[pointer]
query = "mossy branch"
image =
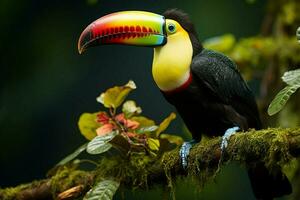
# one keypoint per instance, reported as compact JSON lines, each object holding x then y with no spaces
{"x":276,"y":147}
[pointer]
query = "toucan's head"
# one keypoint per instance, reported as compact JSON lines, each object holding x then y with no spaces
{"x":138,"y":28}
{"x":172,"y":35}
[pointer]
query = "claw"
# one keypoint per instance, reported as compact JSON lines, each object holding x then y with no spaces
{"x":228,"y":133}
{"x":185,"y":151}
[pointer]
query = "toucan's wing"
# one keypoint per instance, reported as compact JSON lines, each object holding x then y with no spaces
{"x":220,"y":75}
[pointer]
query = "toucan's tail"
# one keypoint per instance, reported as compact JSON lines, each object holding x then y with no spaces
{"x":267,"y":186}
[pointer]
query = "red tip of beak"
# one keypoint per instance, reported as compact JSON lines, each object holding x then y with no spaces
{"x":84,"y":39}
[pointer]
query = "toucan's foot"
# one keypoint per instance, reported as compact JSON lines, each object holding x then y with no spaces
{"x":184,"y":152}
{"x":228,"y":133}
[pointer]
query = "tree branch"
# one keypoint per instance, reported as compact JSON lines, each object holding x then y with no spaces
{"x":274,"y":147}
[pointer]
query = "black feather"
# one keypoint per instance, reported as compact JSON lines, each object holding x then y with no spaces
{"x":221,"y":76}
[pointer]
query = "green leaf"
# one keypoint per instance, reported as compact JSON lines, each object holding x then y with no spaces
{"x":100,"y":144}
{"x":172,"y":139}
{"x":292,"y":77}
{"x":281,"y":98}
{"x":103,"y":190}
{"x":73,"y":155}
{"x":143,"y":121}
{"x":164,"y":125}
{"x":114,"y":97}
{"x":87,"y":125}
{"x":130,"y":108}
{"x":147,"y":129}
{"x":153,"y":144}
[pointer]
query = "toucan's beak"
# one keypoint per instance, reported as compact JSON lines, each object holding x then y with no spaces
{"x":127,"y":27}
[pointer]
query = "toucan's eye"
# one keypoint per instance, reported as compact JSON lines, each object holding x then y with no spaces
{"x":171,"y":28}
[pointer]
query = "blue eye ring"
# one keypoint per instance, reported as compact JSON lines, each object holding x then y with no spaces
{"x":171,"y":28}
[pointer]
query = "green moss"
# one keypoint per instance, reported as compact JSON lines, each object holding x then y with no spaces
{"x":67,"y":177}
{"x":132,"y":172}
{"x":13,"y":192}
{"x":168,"y":161}
{"x":270,"y":146}
{"x":10,"y":193}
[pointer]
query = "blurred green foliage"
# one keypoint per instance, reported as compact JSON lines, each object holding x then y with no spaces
{"x":254,"y":53}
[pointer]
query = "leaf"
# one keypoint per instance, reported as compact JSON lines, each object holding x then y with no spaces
{"x":147,"y":129}
{"x":131,"y":124}
{"x":172,"y":138}
{"x":281,"y":98}
{"x":103,"y":190}
{"x":143,"y":121}
{"x":103,"y":118}
{"x":164,"y":124}
{"x":153,"y":144}
{"x":130,"y":108}
{"x":105,"y":129}
{"x":87,"y":125}
{"x":114,"y":97}
{"x":292,"y":77}
{"x":100,"y":144}
{"x":73,"y":155}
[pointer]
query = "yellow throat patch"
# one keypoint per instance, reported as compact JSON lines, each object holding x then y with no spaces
{"x":171,"y":62}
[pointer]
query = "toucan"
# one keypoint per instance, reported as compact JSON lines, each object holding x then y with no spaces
{"x":205,"y":86}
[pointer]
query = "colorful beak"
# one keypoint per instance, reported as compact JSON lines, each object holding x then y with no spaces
{"x":127,"y":27}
